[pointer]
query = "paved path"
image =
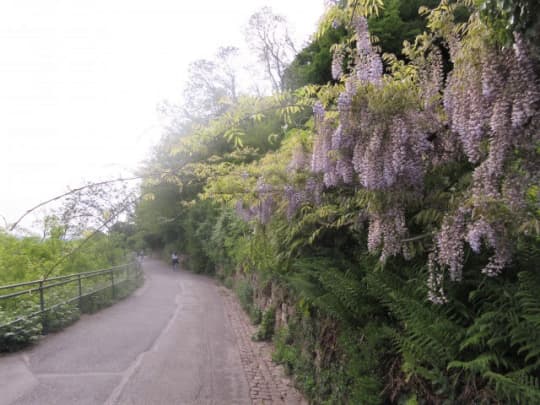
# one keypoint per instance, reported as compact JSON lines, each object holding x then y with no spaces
{"x":180,"y":339}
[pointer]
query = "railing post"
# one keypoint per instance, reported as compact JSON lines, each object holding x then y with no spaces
{"x":42,"y":307}
{"x":112,"y":284}
{"x":127,"y":273}
{"x":80,"y":291}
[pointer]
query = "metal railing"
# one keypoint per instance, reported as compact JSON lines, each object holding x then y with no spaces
{"x":43,"y":297}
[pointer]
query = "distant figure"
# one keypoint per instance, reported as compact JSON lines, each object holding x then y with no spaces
{"x":174,"y":258}
{"x":141,"y":255}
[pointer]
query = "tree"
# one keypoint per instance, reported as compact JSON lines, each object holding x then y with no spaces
{"x":268,"y":36}
{"x":508,"y":17}
{"x":211,"y":87}
{"x":399,"y":21}
{"x":312,"y":65}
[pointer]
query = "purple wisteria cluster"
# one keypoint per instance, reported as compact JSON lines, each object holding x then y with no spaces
{"x":299,"y":160}
{"x":369,"y":63}
{"x":387,"y":229}
{"x":491,"y":107}
{"x":376,"y":151}
{"x":435,"y":282}
{"x":333,"y":151}
{"x":486,"y":113}
{"x":262,"y":209}
{"x":312,"y":188}
{"x":494,"y":237}
{"x":245,"y":213}
{"x":431,"y":75}
{"x":449,"y":244}
{"x":296,"y":196}
{"x":491,"y":101}
{"x":393,"y":154}
{"x":337,"y":63}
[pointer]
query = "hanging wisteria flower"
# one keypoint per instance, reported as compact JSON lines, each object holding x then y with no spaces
{"x":244,"y":213}
{"x":319,"y":112}
{"x":477,"y":231}
{"x":314,"y":190}
{"x":369,"y":67}
{"x":337,"y":64}
{"x":450,"y":252}
{"x":494,"y":237}
{"x":265,"y":207}
{"x":485,"y":111}
{"x":330,"y":3}
{"x":387,"y":230}
{"x":436,"y":292}
{"x":294,"y":198}
{"x":432,"y":79}
{"x":299,"y":159}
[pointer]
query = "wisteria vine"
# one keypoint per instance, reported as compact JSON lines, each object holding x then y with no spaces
{"x":387,"y":137}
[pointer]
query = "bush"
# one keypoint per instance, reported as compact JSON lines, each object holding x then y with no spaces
{"x":228,"y":282}
{"x":21,"y":333}
{"x":245,"y":294}
{"x":284,"y":353}
{"x":266,"y":329}
{"x":61,"y":316}
{"x":28,"y":329}
{"x":255,"y":315}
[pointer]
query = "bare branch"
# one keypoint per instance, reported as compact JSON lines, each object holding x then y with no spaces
{"x":76,"y":190}
{"x":54,"y":266}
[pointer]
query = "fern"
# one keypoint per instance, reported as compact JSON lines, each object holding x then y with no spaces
{"x":515,"y":388}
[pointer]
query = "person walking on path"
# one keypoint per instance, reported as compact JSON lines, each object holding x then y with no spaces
{"x":174,"y":259}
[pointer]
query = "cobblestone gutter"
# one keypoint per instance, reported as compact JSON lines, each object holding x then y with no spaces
{"x":267,"y":381}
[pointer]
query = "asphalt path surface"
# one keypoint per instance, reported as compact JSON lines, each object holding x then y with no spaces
{"x":169,"y":343}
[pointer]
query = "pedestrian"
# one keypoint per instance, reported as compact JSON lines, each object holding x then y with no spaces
{"x":174,"y":259}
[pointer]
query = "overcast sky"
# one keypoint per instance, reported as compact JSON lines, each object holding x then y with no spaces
{"x":80,"y":81}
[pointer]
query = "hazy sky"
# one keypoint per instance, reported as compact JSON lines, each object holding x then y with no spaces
{"x":80,"y":81}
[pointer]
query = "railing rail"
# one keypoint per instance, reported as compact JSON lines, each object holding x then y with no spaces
{"x":9,"y":286}
{"x":69,"y":289}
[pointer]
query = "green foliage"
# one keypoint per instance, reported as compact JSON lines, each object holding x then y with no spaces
{"x":21,"y":319}
{"x":396,"y":22}
{"x":312,"y":65}
{"x":31,"y":258}
{"x":63,"y":314}
{"x":502,"y":346}
{"x":227,"y":281}
{"x":266,"y":328}
{"x":399,"y":21}
{"x":244,"y":290}
{"x":334,"y":366}
{"x":21,"y":333}
{"x":363,"y":331}
{"x":508,"y":16}
{"x":224,"y":246}
{"x":256,"y":315}
{"x":284,"y":353}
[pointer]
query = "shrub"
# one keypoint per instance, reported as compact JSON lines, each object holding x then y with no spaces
{"x":245,"y":294}
{"x":266,"y":328}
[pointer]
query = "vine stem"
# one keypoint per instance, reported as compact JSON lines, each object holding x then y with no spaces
{"x":418,"y":237}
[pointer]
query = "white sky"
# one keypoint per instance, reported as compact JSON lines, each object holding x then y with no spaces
{"x":80,"y":81}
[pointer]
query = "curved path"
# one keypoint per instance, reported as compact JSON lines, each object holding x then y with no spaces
{"x":171,"y":342}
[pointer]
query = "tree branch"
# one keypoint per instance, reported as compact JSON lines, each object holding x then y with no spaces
{"x":76,"y":190}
